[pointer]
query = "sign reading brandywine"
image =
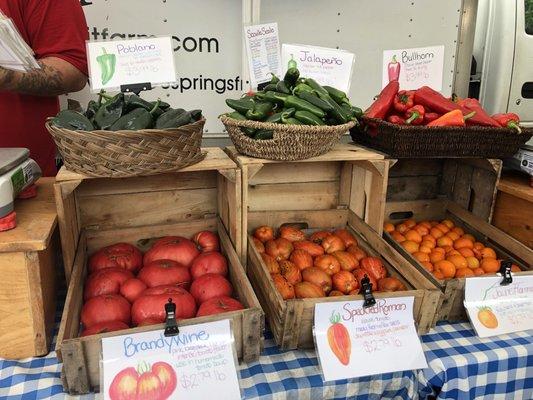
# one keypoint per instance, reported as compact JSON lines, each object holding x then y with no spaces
{"x":353,"y":341}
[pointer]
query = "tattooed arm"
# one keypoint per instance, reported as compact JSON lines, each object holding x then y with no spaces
{"x":55,"y":77}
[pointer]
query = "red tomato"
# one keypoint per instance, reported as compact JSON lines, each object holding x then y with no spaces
{"x":209,"y":263}
{"x":218,"y":305}
{"x":206,"y":241}
{"x":359,"y":274}
{"x":124,"y":385}
{"x":173,"y":248}
{"x":105,"y":308}
{"x":167,"y":377}
{"x":148,"y":322}
{"x":165,"y":272}
{"x":210,"y":285}
{"x":151,"y":304}
{"x":105,"y":281}
{"x":121,"y":255}
{"x":373,"y":266}
{"x":104,"y":327}
{"x":132,"y":289}
{"x":148,"y":387}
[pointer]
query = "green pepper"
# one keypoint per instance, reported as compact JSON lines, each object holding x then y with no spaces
{"x":107,"y":63}
{"x":162,"y":105}
{"x":264,"y":134}
{"x":302,"y":87}
{"x":275,"y":118}
{"x":196,"y":114}
{"x":166,"y":120}
{"x":338,"y":95}
{"x":281,"y":87}
{"x":110,"y":112}
{"x":275,"y":97}
{"x":353,"y":112}
{"x":292,"y":121}
{"x":270,"y":86}
{"x":73,"y":120}
{"x":260,"y":111}
{"x":286,"y":114}
{"x":92,"y":108}
{"x":133,"y":101}
{"x":316,"y":87}
{"x":136,"y":120}
{"x":291,"y":76}
{"x":308,"y":118}
{"x":239,"y":117}
{"x":299,"y":104}
{"x":241,"y":105}
{"x":338,"y":114}
{"x":274,"y":79}
{"x":316,"y":101}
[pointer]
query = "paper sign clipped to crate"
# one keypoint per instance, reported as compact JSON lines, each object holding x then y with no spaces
{"x":495,"y":309}
{"x":196,"y":364}
{"x":129,"y":62}
{"x":353,"y":341}
{"x":262,"y":49}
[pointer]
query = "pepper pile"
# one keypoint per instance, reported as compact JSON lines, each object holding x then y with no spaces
{"x":428,"y":107}
{"x":120,"y":112}
{"x":293,"y":101}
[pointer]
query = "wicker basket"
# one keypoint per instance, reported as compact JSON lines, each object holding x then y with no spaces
{"x":290,"y":142}
{"x":400,"y":141}
{"x":122,"y":154}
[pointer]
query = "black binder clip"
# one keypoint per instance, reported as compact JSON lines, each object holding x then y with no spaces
{"x":505,"y":271}
{"x":171,"y":325}
{"x":136,"y":88}
{"x":367,"y":292}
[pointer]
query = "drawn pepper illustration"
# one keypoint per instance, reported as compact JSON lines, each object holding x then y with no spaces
{"x":292,"y":63}
{"x":487,"y":318}
{"x":107,"y":64}
{"x":393,"y":69}
{"x":339,"y":339}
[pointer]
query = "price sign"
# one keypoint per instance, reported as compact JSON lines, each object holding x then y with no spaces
{"x":195,"y":364}
{"x":494,"y":309}
{"x":353,"y":341}
{"x":262,"y":48}
{"x":129,"y":62}
{"x":330,"y":67}
{"x":413,"y":68}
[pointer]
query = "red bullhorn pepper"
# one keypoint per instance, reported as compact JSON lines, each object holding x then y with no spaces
{"x":415,"y":115}
{"x":481,"y":117}
{"x":452,"y":118}
{"x":509,"y":120}
{"x":383,"y":104}
{"x":430,"y":116}
{"x":404,"y":100}
{"x":396,"y":119}
{"x":434,"y":101}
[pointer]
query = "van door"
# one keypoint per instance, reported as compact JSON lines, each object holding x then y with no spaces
{"x":521,"y":94}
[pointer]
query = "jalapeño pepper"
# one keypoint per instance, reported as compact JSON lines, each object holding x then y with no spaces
{"x":308,"y":118}
{"x":291,"y":76}
{"x":302,"y":105}
{"x":292,"y":121}
{"x":275,"y":97}
{"x":270,"y":86}
{"x":275,"y":118}
{"x":274,"y":79}
{"x":338,"y":95}
{"x":239,"y":117}
{"x":281,"y":87}
{"x":316,"y":101}
{"x":260,"y":111}
{"x":301,"y":88}
{"x":242,"y":105}
{"x":264,"y":134}
{"x":338,"y":114}
{"x":288,"y":113}
{"x":110,"y":112}
{"x":319,"y":89}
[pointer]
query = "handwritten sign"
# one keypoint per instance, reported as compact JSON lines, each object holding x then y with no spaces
{"x":127,"y":62}
{"x":262,"y":48}
{"x":413,"y":68}
{"x":353,"y":341}
{"x":494,"y":309}
{"x":330,"y":67}
{"x":195,"y":364}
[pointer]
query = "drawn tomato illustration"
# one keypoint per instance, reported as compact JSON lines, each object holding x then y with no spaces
{"x":487,"y":318}
{"x":144,"y":383}
{"x":339,"y":339}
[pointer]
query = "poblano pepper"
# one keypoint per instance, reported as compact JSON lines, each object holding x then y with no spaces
{"x":110,"y":112}
{"x":196,"y":115}
{"x":107,"y":63}
{"x":136,"y":120}
{"x":133,"y":101}
{"x":173,"y":119}
{"x":73,"y":120}
{"x":92,"y":109}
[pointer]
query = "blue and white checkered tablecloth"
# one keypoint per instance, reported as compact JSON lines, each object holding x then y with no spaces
{"x":461,"y":366}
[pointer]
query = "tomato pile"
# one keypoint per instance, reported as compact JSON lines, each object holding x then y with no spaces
{"x":126,"y":288}
{"x":326,"y":263}
{"x":444,"y":249}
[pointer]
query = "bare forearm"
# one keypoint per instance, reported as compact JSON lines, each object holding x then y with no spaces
{"x":55,"y":77}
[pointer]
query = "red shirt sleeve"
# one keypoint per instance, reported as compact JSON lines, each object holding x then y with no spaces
{"x":57,"y":28}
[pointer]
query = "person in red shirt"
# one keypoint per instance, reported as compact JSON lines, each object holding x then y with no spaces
{"x":56,"y":30}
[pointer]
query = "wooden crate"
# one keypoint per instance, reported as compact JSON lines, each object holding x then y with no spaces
{"x":452,"y":308}
{"x":28,"y":261}
{"x":209,"y":188}
{"x":291,"y":321}
{"x":81,"y":355}
{"x":347,"y":178}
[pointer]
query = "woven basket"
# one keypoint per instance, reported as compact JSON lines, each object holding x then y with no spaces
{"x":401,"y":141}
{"x":129,"y":153}
{"x":290,"y":142}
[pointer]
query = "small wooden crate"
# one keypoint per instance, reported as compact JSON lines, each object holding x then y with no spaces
{"x":292,"y":320}
{"x":452,"y":308}
{"x":347,"y":178}
{"x":28,"y":261}
{"x":94,"y":212}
